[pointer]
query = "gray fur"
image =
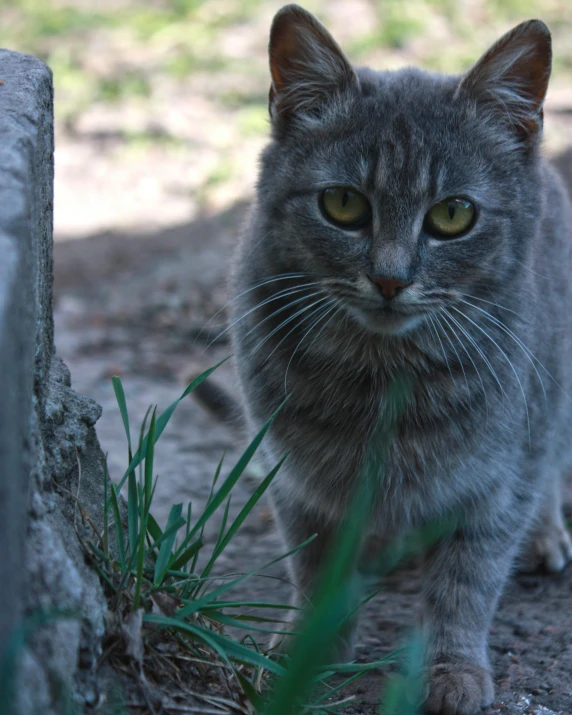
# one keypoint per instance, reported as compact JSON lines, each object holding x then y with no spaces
{"x":485,"y":434}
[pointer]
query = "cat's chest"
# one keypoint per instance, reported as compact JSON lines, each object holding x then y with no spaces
{"x":407,"y":433}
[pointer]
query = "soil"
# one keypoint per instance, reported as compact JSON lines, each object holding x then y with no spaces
{"x":137,"y":306}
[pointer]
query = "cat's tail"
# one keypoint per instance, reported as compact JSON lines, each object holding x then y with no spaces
{"x":217,"y":400}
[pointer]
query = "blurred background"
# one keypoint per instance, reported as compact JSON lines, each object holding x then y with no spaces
{"x":161,"y":104}
{"x":160,"y":110}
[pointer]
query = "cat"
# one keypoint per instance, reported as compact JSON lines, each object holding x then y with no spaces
{"x":405,"y":225}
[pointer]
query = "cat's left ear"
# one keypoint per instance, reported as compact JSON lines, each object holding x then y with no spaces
{"x":511,"y":79}
{"x":307,"y":66}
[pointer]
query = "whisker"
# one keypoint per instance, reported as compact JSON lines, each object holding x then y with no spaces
{"x":442,"y":347}
{"x":281,"y":294}
{"x":506,"y":358}
{"x":284,"y":323}
{"x":478,"y":349}
{"x":437,"y":318}
{"x":283,"y":308}
{"x":518,"y":341}
{"x":520,"y":263}
{"x":322,"y":328}
{"x":292,"y":329}
{"x":474,"y":297}
{"x":263,"y":282}
{"x":452,"y":328}
{"x":328,"y":309}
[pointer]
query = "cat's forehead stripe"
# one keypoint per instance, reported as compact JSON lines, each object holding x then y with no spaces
{"x":393,"y":160}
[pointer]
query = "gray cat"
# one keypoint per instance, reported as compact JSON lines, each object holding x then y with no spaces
{"x":406,"y":225}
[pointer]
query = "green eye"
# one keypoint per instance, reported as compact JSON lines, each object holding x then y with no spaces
{"x":450,"y":218}
{"x":346,"y":207}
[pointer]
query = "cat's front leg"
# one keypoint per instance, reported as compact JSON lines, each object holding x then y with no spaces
{"x":298,"y":523}
{"x":465,"y":575}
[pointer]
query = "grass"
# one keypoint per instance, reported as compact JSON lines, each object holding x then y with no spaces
{"x":165,"y":596}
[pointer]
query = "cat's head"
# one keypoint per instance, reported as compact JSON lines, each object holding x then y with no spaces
{"x":399,"y":191}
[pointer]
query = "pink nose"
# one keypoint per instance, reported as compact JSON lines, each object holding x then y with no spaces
{"x":389,"y":287}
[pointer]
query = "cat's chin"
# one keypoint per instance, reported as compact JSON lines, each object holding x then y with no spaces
{"x":386,"y":323}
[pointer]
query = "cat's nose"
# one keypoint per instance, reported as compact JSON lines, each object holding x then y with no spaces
{"x":388,"y":287}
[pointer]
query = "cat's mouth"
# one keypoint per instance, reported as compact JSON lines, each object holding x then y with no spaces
{"x":386,"y":319}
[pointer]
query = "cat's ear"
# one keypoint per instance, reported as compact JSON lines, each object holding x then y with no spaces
{"x":511,"y":79}
{"x":307,"y":66}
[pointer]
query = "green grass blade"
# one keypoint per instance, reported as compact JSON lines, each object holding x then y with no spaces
{"x":121,"y":401}
{"x":184,"y":557}
{"x":187,"y":531}
{"x":253,"y":696}
{"x":248,"y":618}
{"x":251,"y":604}
{"x":193,"y":566}
{"x":149,"y":457}
{"x":216,"y":476}
{"x":118,"y":528}
{"x":132,"y":514}
{"x":148,"y":506}
{"x":233,"y":477}
{"x":153,"y":528}
{"x":403,"y":693}
{"x":105,"y":508}
{"x":142,"y":430}
{"x":236,"y":623}
{"x":141,"y":547}
{"x":248,"y":638}
{"x":174,"y":523}
{"x":331,"y":692}
{"x":170,"y":531}
{"x":196,"y":632}
{"x":98,"y":552}
{"x":184,"y":544}
{"x":213,"y":595}
{"x":104,"y":577}
{"x":362,"y":603}
{"x":244,"y":512}
{"x":359,"y":667}
{"x":220,"y":535}
{"x":223,"y":522}
{"x":189,"y":516}
{"x":163,"y":420}
{"x":224,"y":645}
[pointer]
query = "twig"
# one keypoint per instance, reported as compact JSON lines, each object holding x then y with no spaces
{"x":201,"y":662}
{"x":337,"y":703}
{"x":84,"y":515}
{"x":78,"y":489}
{"x":140,"y":677}
{"x":181,"y":709}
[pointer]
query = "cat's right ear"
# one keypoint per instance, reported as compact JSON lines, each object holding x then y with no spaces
{"x":307,"y":66}
{"x":509,"y":82}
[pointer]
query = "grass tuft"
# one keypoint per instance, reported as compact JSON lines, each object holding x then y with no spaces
{"x":186,"y":613}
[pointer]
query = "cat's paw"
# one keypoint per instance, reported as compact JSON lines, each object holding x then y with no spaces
{"x":554,"y":546}
{"x":458,"y":689}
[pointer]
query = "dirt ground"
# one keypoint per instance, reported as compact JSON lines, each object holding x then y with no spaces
{"x":135,"y":306}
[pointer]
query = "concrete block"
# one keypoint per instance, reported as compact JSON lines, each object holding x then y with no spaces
{"x":46,"y":430}
{"x":26,"y":332}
